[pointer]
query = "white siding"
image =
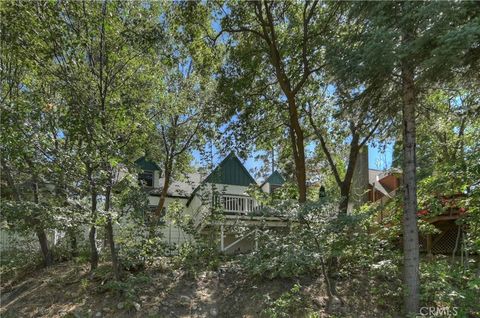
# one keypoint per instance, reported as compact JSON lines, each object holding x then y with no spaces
{"x":266,"y":187}
{"x":156,"y":179}
{"x":172,"y":233}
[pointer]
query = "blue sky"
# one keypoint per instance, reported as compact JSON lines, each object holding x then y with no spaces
{"x":379,"y":158}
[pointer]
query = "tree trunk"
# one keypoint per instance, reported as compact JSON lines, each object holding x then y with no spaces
{"x":46,"y":253}
{"x":345,"y":184}
{"x":92,"y":237}
{"x":345,"y":196}
{"x":297,"y":139}
{"x":163,"y":194}
{"x":110,"y":236}
{"x":71,"y":231}
{"x":73,"y":243}
{"x":359,"y":181}
{"x":410,"y":227}
{"x":328,"y":284}
{"x":333,"y":264}
{"x":41,"y":235}
{"x":93,"y":233}
{"x":113,"y":251}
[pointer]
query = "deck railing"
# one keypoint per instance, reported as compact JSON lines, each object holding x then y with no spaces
{"x":235,"y":203}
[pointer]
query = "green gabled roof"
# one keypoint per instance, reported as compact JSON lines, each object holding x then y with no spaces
{"x":145,"y":164}
{"x":275,"y":178}
{"x":230,"y":171}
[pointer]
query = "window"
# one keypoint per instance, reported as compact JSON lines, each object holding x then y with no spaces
{"x":146,"y":178}
{"x":274,"y":187}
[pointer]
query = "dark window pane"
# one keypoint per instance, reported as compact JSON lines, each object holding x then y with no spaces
{"x":273,"y":188}
{"x":146,"y":178}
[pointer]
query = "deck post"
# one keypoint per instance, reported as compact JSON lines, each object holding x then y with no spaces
{"x":222,"y":242}
{"x":429,"y":246}
{"x":256,"y":239}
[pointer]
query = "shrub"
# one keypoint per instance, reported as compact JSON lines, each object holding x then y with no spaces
{"x":16,"y":263}
{"x":447,"y":284}
{"x":128,"y":288}
{"x":281,"y":255}
{"x":139,"y":244}
{"x":195,"y":257}
{"x":291,"y":303}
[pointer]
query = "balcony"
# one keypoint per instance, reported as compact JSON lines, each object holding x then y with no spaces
{"x":236,"y":204}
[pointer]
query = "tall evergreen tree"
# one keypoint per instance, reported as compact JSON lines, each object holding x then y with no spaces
{"x":414,"y":38}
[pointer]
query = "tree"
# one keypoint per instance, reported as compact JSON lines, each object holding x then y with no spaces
{"x":448,"y":155}
{"x":414,"y":38}
{"x":118,"y":62}
{"x":353,"y":119}
{"x":179,"y":127}
{"x":347,"y":104}
{"x":98,"y":58}
{"x":182,"y":110}
{"x":274,"y":48}
{"x":23,"y":130}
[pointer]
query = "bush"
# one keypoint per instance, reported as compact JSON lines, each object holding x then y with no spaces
{"x":291,"y":303}
{"x":197,"y":257}
{"x":138,"y":244}
{"x":447,"y":284}
{"x":281,"y":255}
{"x":128,"y":288}
{"x":320,"y":236}
{"x":16,"y":263}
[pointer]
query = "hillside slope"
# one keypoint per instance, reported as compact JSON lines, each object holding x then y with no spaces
{"x":68,"y":290}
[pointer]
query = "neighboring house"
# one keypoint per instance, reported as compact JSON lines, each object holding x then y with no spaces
{"x":384,"y":186}
{"x":225,"y":190}
{"x":273,"y":182}
{"x":451,"y":234}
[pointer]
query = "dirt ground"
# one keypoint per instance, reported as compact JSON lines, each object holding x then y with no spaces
{"x":68,"y":290}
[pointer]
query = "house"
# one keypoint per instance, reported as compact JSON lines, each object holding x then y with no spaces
{"x":273,"y":182}
{"x":224,"y":191}
{"x":444,"y":215}
{"x":384,"y":185}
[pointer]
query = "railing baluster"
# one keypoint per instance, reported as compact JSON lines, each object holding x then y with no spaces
{"x":235,"y":204}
